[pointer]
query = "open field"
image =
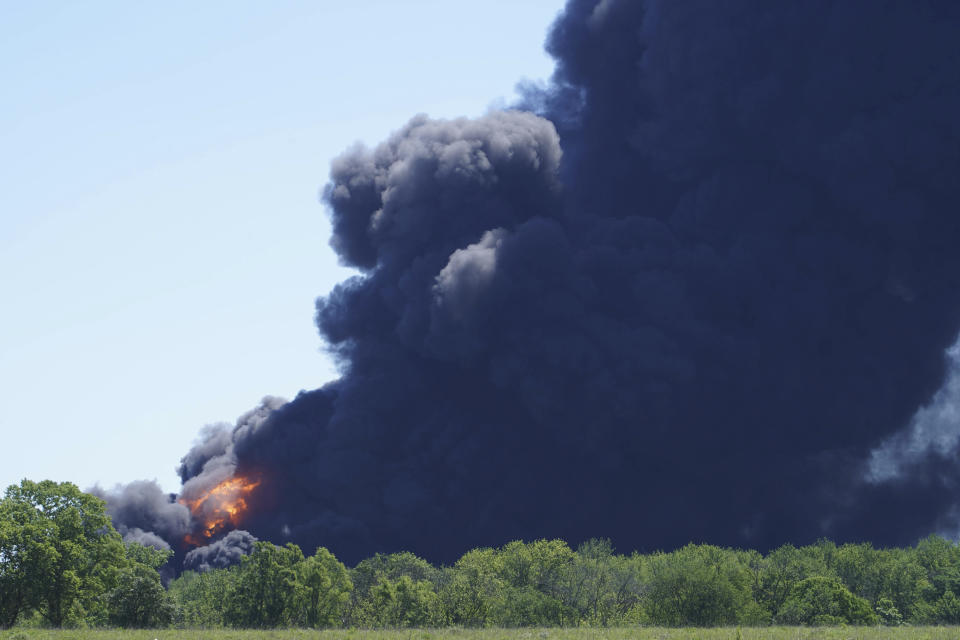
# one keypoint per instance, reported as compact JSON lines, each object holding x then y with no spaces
{"x":631,"y":633}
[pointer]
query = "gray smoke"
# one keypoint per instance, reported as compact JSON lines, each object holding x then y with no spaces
{"x":145,"y":538}
{"x":934,"y":432}
{"x":143,"y":513}
{"x":221,"y":554}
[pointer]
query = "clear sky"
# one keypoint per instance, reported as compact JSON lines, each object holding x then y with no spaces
{"x":162,"y":242}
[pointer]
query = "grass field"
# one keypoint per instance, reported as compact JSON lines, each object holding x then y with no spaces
{"x":633,"y":633}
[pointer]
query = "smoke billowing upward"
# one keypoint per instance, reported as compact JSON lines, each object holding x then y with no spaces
{"x":143,"y":513}
{"x":682,"y":293}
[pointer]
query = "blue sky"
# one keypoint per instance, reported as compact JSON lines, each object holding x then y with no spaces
{"x":162,"y":241}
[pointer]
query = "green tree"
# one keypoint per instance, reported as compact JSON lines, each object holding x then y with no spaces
{"x":265,"y":587}
{"x":888,"y":613}
{"x":940,"y":559}
{"x":699,"y":585}
{"x":631,"y":585}
{"x":201,"y":598}
{"x":822,"y":600}
{"x":894,"y":575}
{"x":591,"y":579}
{"x":139,"y":599}
{"x":391,"y":565}
{"x":780,"y":570}
{"x":400,"y":603}
{"x":946,"y":610}
{"x":72,"y":554}
{"x":325,"y":589}
{"x":471,"y":587}
{"x":26,"y":553}
{"x":526,"y":607}
{"x":534,"y":579}
{"x":905,"y":581}
{"x":367,"y":574}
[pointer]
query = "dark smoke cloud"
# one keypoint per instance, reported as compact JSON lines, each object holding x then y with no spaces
{"x":146,"y":538}
{"x":220,"y":554}
{"x":142,"y":512}
{"x":213,"y":442}
{"x":695,"y":292}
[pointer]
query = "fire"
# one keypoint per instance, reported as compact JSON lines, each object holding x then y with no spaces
{"x":219,"y":507}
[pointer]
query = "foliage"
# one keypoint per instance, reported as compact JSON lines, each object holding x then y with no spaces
{"x":25,"y":555}
{"x":62,"y":564}
{"x":399,"y":603}
{"x":325,"y":589}
{"x":821,"y":600}
{"x":61,"y":558}
{"x":265,"y":587}
{"x":781,"y":570}
{"x":471,"y":588}
{"x":698,"y":585}
{"x":575,"y":633}
{"x":888,"y":612}
{"x":200,"y":598}
{"x":139,"y":599}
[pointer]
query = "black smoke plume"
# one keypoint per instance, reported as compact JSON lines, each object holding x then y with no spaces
{"x":682,"y":293}
{"x":225,"y":552}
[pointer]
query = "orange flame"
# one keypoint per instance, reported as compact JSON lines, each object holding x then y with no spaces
{"x":218,"y":507}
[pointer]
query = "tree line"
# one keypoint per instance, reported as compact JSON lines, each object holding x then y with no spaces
{"x":62,"y":564}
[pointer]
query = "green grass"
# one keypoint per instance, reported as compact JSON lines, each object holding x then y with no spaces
{"x":630,"y":633}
